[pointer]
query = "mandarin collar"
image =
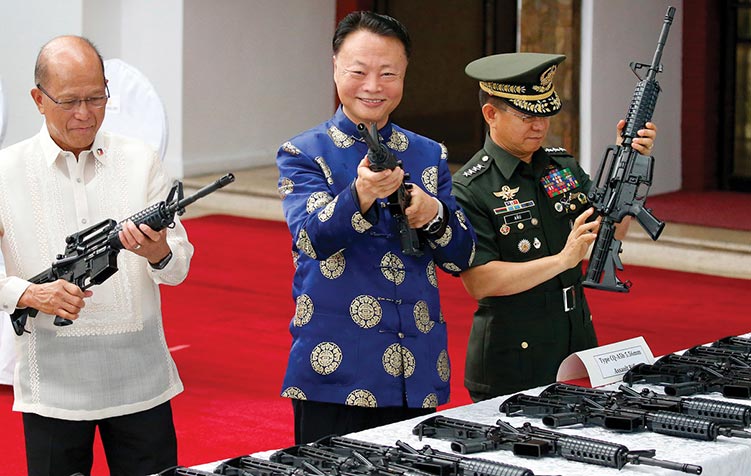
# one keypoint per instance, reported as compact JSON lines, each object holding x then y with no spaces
{"x":51,"y":151}
{"x":508,"y":163}
{"x":344,"y":124}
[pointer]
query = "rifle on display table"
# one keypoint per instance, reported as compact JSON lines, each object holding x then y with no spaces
{"x":381,"y":158}
{"x":91,"y":255}
{"x":683,"y":375}
{"x":530,"y":441}
{"x":624,"y":178}
{"x":345,"y":456}
{"x":562,"y":412}
{"x":726,"y":413}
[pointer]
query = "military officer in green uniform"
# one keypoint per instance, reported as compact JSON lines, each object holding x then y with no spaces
{"x":534,"y":225}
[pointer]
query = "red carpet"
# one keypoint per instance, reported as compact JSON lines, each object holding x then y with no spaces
{"x":715,"y":209}
{"x":227,"y":326}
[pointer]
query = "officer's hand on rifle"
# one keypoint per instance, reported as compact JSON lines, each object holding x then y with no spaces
{"x":144,"y":241}
{"x":422,"y":207}
{"x":646,"y":140}
{"x":372,"y":185}
{"x":582,"y":235}
{"x":58,"y":298}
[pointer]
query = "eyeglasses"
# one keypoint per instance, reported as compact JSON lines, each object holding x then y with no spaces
{"x":97,"y":102}
{"x":525,"y":118}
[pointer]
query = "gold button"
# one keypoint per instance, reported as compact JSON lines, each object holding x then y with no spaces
{"x":524,"y":345}
{"x":401,"y":336}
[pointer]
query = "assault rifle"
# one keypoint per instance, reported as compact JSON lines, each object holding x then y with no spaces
{"x":558,"y":412}
{"x":381,"y":158}
{"x":624,"y":178}
{"x":91,"y":255}
{"x":251,"y":466}
{"x":726,"y":413}
{"x":530,"y":441}
{"x":346,"y":456}
{"x":683,"y":377}
{"x":721,"y":353}
{"x":732,"y":342}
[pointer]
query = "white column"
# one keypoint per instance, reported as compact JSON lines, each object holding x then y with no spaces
{"x":615,"y":33}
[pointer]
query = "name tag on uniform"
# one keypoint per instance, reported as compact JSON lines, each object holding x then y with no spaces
{"x":512,"y":218}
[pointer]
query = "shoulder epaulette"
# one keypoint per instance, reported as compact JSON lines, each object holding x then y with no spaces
{"x":557,"y":152}
{"x":479,"y":166}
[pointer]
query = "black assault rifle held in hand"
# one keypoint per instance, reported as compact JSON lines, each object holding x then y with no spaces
{"x":381,"y":158}
{"x":530,"y":441}
{"x":91,"y":255}
{"x":624,"y":178}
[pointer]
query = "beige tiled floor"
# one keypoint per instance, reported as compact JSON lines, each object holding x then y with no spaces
{"x":680,"y":247}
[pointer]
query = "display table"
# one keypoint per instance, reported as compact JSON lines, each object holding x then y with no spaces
{"x":724,"y":457}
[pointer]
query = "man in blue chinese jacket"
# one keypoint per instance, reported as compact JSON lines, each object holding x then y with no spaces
{"x":369,"y":342}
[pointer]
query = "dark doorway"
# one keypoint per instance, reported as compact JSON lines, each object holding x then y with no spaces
{"x":440,"y":101}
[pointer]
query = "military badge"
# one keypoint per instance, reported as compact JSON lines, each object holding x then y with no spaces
{"x":558,"y":181}
{"x":505,"y":230}
{"x":524,"y":246}
{"x":506,"y":192}
{"x":536,"y":243}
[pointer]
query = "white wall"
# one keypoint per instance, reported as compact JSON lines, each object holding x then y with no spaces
{"x":615,"y":33}
{"x":26,"y":26}
{"x":237,"y":78}
{"x":256,"y":73}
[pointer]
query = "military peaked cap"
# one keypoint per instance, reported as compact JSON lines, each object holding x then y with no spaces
{"x":522,"y":80}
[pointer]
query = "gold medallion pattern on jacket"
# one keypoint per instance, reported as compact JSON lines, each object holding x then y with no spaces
{"x":430,"y":401}
{"x":422,"y":317}
{"x":444,"y":152}
{"x":445,"y":239}
{"x":303,"y":310}
{"x":444,"y":371}
{"x":392,"y":268}
{"x":294,"y":392}
{"x":290,"y":148}
{"x":398,"y":142}
{"x":430,"y":179}
{"x":328,"y":210}
{"x":326,"y":358}
{"x":430,"y":272}
{"x":334,"y":265}
{"x":361,"y":398}
{"x":325,"y":169}
{"x":359,"y":223}
{"x":305,"y":245}
{"x":317,"y":200}
{"x":365,"y":311}
{"x":398,"y":360}
{"x":286,"y":186}
{"x":339,"y":138}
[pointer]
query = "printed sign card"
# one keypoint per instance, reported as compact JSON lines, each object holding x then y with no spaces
{"x":605,"y":364}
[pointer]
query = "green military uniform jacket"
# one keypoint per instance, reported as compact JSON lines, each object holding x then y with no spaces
{"x":522,"y":212}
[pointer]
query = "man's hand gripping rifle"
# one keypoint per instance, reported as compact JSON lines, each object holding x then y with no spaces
{"x":91,"y":255}
{"x":624,"y":178}
{"x":381,"y":158}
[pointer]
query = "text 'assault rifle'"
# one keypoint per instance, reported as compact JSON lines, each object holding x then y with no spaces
{"x":91,"y":255}
{"x":562,"y":412}
{"x":381,"y":158}
{"x":624,"y":178}
{"x":531,"y":441}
